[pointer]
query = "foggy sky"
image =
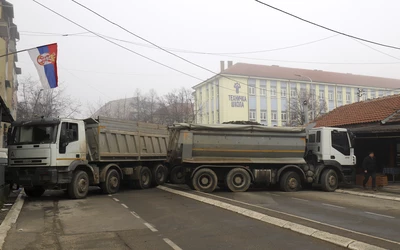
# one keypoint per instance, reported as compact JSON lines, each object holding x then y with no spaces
{"x":92,"y":69}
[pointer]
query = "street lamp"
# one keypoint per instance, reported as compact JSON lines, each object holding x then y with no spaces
{"x":309,"y":78}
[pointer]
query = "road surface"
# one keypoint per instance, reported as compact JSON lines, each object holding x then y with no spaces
{"x":158,"y":219}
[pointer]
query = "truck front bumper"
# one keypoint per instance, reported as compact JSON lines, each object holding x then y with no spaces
{"x":49,"y":176}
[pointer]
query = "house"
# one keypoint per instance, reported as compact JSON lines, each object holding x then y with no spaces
{"x":376,"y":125}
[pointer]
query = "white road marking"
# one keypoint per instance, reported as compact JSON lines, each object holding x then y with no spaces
{"x":387,"y":216}
{"x":153,"y":229}
{"x":274,"y":194}
{"x":109,"y":195}
{"x":135,"y":214}
{"x":172,"y":244}
{"x":294,"y":216}
{"x":299,"y":199}
{"x":115,"y":199}
{"x":125,"y":206}
{"x":330,"y":205}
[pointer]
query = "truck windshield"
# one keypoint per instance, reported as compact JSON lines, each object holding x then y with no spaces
{"x":35,"y":134}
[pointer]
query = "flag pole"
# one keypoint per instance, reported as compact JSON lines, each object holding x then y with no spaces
{"x":12,"y":53}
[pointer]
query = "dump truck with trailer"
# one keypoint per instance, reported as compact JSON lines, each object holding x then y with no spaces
{"x":70,"y":154}
{"x":236,"y":156}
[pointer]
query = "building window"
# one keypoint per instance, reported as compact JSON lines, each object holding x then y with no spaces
{"x":273,"y":116}
{"x":263,"y":116}
{"x":348,"y":97}
{"x":293,"y":93}
{"x":252,"y":90}
{"x":283,"y":116}
{"x":283,"y":92}
{"x":252,"y":115}
{"x":321,"y":94}
{"x":313,"y":94}
{"x":273,"y":91}
{"x":339,"y":96}
{"x":330,"y":96}
{"x":263,"y":91}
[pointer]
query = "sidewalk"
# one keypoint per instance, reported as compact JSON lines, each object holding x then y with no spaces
{"x":390,"y":192}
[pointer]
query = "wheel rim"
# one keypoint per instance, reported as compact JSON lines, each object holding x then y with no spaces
{"x":205,"y":181}
{"x":238,"y":180}
{"x":293,"y":183}
{"x":114,"y":182}
{"x":82,"y":185}
{"x":332,"y":180}
{"x":160,"y":174}
{"x":145,"y":178}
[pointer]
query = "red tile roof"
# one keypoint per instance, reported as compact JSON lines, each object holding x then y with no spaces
{"x":375,"y":110}
{"x":265,"y":71}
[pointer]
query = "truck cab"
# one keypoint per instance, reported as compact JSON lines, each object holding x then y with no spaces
{"x":41,"y":151}
{"x":331,"y":146}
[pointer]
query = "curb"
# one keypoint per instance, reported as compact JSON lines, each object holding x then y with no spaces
{"x":11,"y":218}
{"x":384,"y":197}
{"x":305,"y":230}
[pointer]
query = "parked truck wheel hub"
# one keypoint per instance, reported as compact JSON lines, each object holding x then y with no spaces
{"x":205,"y":181}
{"x":82,"y":185}
{"x":332,"y":180}
{"x":238,"y":180}
{"x":114,"y":182}
{"x":293,"y":183}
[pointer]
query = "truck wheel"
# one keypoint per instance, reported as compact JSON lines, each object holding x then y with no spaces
{"x":159,"y":175}
{"x":177,"y":175}
{"x":205,"y":180}
{"x":238,"y":180}
{"x":329,"y":180}
{"x":112,"y":183}
{"x":144,"y":178}
{"x":79,"y":186}
{"x":290,"y":182}
{"x":34,"y":191}
{"x":189,"y":182}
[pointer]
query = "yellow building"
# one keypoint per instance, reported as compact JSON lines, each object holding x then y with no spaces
{"x":270,"y":94}
{"x":8,"y":70}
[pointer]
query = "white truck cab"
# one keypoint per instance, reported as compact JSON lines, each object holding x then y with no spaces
{"x":331,"y":146}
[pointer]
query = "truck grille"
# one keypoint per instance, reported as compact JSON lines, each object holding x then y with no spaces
{"x":29,"y":161}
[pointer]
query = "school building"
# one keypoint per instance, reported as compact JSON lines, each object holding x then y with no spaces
{"x":266,"y":94}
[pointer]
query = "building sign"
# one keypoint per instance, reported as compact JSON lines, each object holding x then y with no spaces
{"x":237,"y":101}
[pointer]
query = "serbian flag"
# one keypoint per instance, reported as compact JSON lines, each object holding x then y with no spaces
{"x":45,"y":60}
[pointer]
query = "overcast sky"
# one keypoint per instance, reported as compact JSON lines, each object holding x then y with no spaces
{"x":92,"y":69}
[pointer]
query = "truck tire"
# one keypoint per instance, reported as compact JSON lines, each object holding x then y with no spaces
{"x":205,"y":180}
{"x":329,"y":180}
{"x":145,"y":178}
{"x":238,"y":180}
{"x":290,"y":182}
{"x":79,"y":186}
{"x":112,"y":183}
{"x":34,"y":191}
{"x":177,"y":175}
{"x":159,"y":175}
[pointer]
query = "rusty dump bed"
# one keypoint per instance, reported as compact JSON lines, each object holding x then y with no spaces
{"x":120,"y":140}
{"x":228,"y":143}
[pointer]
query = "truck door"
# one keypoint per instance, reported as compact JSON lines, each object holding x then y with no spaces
{"x":68,"y":144}
{"x":340,"y":150}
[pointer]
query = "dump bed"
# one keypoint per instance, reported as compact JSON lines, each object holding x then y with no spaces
{"x":120,"y":140}
{"x":208,"y":144}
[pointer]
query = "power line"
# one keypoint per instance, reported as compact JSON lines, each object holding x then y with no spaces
{"x":384,"y":53}
{"x":324,"y":27}
{"x":119,"y":45}
{"x":231,"y":55}
{"x":31,"y":33}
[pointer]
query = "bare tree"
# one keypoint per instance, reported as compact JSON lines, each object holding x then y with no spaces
{"x":316,"y":107}
{"x":35,"y":101}
{"x":176,"y":106}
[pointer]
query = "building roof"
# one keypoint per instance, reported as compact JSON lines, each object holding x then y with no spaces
{"x":277,"y":72}
{"x":384,"y":110}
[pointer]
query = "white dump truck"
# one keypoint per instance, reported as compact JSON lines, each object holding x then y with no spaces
{"x":236,"y":156}
{"x":69,"y":154}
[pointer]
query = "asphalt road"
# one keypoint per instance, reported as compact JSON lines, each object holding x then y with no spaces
{"x":157,"y":219}
{"x":371,"y":220}
{"x":143,"y":219}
